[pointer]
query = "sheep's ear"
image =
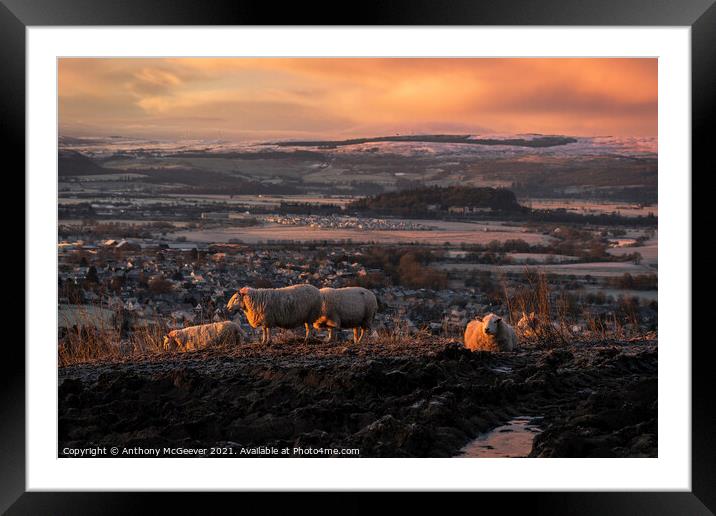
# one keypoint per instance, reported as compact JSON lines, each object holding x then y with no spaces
{"x":243,"y":291}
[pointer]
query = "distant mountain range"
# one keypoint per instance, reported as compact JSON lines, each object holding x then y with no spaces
{"x":530,"y":165}
{"x":537,"y":141}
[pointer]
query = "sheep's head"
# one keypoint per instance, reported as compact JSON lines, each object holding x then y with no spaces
{"x":490,"y":324}
{"x":237,"y":301}
{"x":321,"y":323}
{"x":528,"y":321}
{"x":169,"y":342}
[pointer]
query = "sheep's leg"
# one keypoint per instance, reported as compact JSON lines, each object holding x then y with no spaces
{"x":308,"y":332}
{"x":360,"y":335}
{"x":335,"y":326}
{"x":330,"y":334}
{"x":268,"y":336}
{"x":357,"y":335}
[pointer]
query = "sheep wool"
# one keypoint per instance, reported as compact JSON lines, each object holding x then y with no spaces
{"x":491,"y":333}
{"x":349,"y":307}
{"x":286,"y":307}
{"x":528,"y":324}
{"x":203,"y":336}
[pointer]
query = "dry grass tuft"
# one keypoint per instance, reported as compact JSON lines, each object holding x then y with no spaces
{"x":557,"y":321}
{"x":91,"y":338}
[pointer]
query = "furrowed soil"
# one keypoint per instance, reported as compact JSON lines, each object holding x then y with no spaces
{"x":414,"y":398}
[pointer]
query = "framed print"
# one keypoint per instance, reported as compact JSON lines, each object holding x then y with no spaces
{"x":416,"y":252}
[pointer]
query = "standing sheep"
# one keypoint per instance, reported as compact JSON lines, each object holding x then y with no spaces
{"x":286,"y":307}
{"x":490,"y":334}
{"x":349,"y":307}
{"x":203,"y":336}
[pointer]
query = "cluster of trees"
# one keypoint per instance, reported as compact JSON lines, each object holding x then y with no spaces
{"x":417,"y":200}
{"x":414,"y":274}
{"x":638,"y":282}
{"x":409,"y":268}
{"x":117,"y":230}
{"x":561,"y":215}
{"x":582,"y":244}
{"x":420,"y":200}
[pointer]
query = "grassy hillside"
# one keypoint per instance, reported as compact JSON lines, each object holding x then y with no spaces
{"x":73,"y":163}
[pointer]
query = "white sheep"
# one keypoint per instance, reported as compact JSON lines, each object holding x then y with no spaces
{"x":349,"y":307}
{"x":286,"y":307}
{"x":491,"y":333}
{"x":203,"y":336}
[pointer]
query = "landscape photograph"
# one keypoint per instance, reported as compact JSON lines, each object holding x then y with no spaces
{"x":357,"y":257}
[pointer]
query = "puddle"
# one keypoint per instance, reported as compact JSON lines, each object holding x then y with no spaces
{"x":513,"y":439}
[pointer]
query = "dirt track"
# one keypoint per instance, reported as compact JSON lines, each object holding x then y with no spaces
{"x":419,"y":399}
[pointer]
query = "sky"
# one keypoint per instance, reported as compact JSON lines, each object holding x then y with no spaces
{"x":242,"y":99}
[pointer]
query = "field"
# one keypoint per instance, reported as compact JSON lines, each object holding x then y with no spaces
{"x":649,"y":252}
{"x":619,"y":171}
{"x":597,"y":269}
{"x":585,"y":206}
{"x":269,"y":233}
{"x":156,"y":237}
{"x":413,"y":398}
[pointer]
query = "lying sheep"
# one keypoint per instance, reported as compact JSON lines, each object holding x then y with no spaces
{"x":349,"y":307}
{"x":203,"y":336}
{"x":491,"y":333}
{"x":286,"y":307}
{"x":528,"y":324}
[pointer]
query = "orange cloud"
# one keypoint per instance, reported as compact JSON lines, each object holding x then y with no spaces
{"x":278,"y":97}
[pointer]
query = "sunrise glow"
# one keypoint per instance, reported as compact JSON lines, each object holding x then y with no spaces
{"x":258,"y":99}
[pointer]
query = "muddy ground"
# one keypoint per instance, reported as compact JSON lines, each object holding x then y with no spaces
{"x":424,"y":398}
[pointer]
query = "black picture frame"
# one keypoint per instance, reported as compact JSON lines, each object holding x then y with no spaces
{"x":16,"y":15}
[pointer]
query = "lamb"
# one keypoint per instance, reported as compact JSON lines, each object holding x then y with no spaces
{"x":349,"y":307}
{"x":490,"y":334}
{"x":202,"y":336}
{"x":528,"y":324}
{"x":531,"y":325}
{"x":286,"y":307}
